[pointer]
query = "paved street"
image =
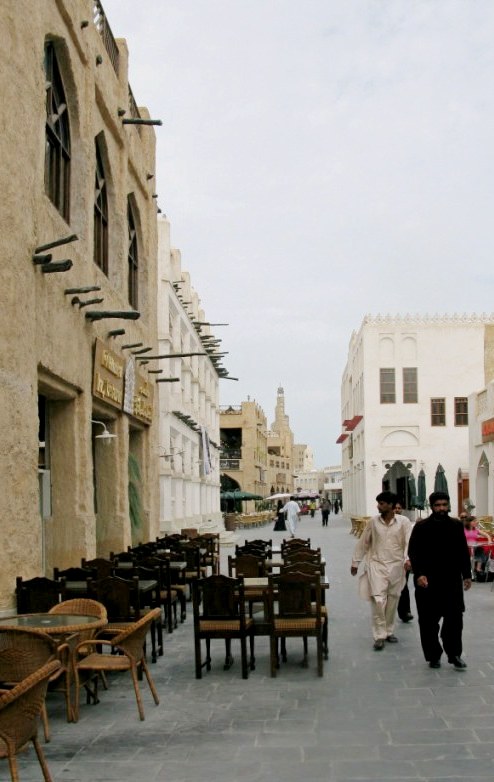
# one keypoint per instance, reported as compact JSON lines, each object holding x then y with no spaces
{"x":374,"y":716}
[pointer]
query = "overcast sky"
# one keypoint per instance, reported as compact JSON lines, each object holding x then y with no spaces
{"x":319,"y":161}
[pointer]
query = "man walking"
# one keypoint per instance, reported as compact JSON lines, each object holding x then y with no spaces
{"x":440,"y":560}
{"x":292,"y":511}
{"x":383,"y":548}
{"x":325,"y":508}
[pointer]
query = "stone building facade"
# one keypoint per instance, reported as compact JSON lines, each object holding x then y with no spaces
{"x":73,"y":166}
{"x":404,"y":405}
{"x":244,"y":448}
{"x":188,"y":390}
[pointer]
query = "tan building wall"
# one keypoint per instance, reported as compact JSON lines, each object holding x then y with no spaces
{"x":244,"y":446}
{"x":48,"y":342}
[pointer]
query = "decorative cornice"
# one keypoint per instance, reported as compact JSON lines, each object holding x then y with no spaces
{"x":425,"y":318}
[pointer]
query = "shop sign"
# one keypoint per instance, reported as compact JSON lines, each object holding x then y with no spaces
{"x":108,"y":375}
{"x":143,"y":398}
{"x":488,"y":430}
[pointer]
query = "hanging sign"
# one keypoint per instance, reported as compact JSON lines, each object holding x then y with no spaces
{"x":108,"y":375}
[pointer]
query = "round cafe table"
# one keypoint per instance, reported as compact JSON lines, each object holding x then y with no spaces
{"x":54,"y":624}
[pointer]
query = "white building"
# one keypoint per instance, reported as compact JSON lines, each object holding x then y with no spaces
{"x":188,"y":401}
{"x":481,"y":434}
{"x":333,"y":482}
{"x":404,"y":402}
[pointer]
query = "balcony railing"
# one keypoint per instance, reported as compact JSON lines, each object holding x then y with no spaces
{"x":104,"y":29}
{"x":231,"y":453}
{"x":229,"y":464}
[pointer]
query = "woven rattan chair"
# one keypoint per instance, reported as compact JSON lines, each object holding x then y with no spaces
{"x":219,"y":612}
{"x":20,"y":709}
{"x":23,"y":651}
{"x":130,"y":656}
{"x":82,"y":606}
{"x":294,"y":604}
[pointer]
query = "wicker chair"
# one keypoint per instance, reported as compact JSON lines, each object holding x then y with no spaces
{"x":20,"y":709}
{"x":129,"y":645}
{"x":82,"y":606}
{"x":23,"y":651}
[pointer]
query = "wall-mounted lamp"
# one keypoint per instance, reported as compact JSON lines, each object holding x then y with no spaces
{"x":106,"y":436}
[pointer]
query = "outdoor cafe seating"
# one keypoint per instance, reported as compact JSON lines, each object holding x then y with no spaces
{"x":219,"y":612}
{"x":294,"y":606}
{"x":20,"y":710}
{"x":129,"y":645}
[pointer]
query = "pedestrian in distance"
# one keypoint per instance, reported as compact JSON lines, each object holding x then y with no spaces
{"x":441,"y":567}
{"x":382,"y":549}
{"x":280,"y":518}
{"x":336,"y":506}
{"x":292,"y":511}
{"x":325,"y":508}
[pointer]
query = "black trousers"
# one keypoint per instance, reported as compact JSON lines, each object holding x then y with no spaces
{"x":431,"y":608}
{"x":404,"y":601}
{"x":325,"y":517}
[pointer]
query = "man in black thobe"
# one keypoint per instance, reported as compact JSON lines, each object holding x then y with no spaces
{"x":440,"y":560}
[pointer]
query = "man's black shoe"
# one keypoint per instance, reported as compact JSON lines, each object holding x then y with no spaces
{"x":459,"y":664}
{"x":392,"y":639}
{"x":435,"y":664}
{"x":406,"y":617}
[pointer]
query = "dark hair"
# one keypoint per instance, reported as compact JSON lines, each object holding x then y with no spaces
{"x":387,"y":496}
{"x":438,"y":495}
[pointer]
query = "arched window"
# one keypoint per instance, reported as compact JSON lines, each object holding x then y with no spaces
{"x":100,"y":215}
{"x":133,"y":259}
{"x":57,"y":137}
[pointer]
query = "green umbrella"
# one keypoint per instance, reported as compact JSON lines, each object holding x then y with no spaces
{"x":440,"y":482}
{"x":412,"y":491}
{"x":239,"y":495}
{"x":421,"y":491}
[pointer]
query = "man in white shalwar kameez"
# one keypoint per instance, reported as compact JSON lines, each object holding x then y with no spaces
{"x":383,"y":550}
{"x":292,"y":511}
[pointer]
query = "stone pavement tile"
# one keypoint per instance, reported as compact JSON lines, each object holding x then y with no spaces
{"x":110,"y":771}
{"x":456,"y":767}
{"x":415,"y":721}
{"x":423,"y":737}
{"x":484,"y":734}
{"x":472,"y":720}
{"x":425,"y":752}
{"x":331,"y":751}
{"x":485,"y":749}
{"x":374,"y":769}
{"x":357,"y":738}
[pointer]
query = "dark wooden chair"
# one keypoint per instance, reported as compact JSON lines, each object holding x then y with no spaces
{"x":71,"y":574}
{"x":160,"y":567}
{"x":294,"y":609}
{"x":121,"y":598}
{"x":219,"y":612}
{"x":38,"y":595}
{"x":20,"y":709}
{"x":312,"y":569}
{"x":102,"y":567}
{"x":249,"y":566}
